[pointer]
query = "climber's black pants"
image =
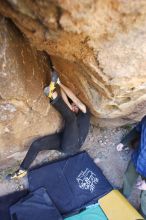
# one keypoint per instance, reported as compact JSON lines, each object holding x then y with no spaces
{"x":67,"y":141}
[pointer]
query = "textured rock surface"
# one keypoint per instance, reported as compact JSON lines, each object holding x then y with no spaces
{"x":24,"y":111}
{"x":98,"y":46}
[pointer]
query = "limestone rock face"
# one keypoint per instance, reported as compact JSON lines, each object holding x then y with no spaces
{"x":98,"y":47}
{"x":24,"y":111}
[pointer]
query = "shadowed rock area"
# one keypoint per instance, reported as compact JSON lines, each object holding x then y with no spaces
{"x":98,"y":47}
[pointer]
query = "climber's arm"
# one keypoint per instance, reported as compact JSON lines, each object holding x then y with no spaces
{"x":65,"y":99}
{"x":73,"y":97}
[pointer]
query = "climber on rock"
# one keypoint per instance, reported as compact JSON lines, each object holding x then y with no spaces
{"x":137,"y":166}
{"x":76,"y":126}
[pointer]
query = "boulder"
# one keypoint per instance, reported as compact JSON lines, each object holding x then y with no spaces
{"x":98,"y":47}
{"x":25,"y":113}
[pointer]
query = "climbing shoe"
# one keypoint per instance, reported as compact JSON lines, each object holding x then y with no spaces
{"x":48,"y":91}
{"x":17,"y":175}
{"x":55,"y":77}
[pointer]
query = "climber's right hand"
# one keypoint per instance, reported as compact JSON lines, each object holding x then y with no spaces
{"x":120,"y":147}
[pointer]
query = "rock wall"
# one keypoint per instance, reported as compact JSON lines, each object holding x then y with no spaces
{"x":24,"y":111}
{"x":98,"y":46}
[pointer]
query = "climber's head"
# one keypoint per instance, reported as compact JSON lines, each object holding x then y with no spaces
{"x":75,"y":108}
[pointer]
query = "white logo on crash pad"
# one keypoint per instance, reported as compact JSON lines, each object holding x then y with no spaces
{"x":87,"y":180}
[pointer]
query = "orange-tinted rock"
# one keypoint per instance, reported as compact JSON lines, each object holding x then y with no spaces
{"x":25,"y":113}
{"x":98,"y":47}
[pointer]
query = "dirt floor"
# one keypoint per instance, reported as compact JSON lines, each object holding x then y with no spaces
{"x":101,"y":145}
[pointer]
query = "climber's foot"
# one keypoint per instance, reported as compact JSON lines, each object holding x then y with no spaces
{"x":49,"y":90}
{"x":17,"y":175}
{"x":54,"y":77}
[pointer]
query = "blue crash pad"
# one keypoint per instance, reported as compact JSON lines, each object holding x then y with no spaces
{"x":71,"y":183}
{"x":35,"y":206}
{"x":7,"y":200}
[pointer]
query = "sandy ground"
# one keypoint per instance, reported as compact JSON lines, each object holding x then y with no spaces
{"x":101,"y":145}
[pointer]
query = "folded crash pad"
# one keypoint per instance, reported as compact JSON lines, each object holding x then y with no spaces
{"x":36,"y":205}
{"x":93,"y":212}
{"x":7,"y":200}
{"x":71,"y":183}
{"x":116,"y":207}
